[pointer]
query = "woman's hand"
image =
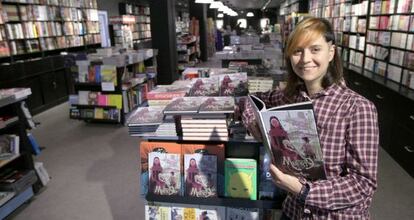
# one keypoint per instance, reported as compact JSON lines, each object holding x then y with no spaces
{"x":285,"y":181}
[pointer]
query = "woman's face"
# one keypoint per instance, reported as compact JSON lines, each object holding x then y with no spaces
{"x":275,"y":122}
{"x":156,"y":160}
{"x":192,"y":162}
{"x":311,"y":63}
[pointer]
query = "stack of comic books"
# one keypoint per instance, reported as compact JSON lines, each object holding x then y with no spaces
{"x":163,"y":94}
{"x":202,"y":118}
{"x":144,"y":121}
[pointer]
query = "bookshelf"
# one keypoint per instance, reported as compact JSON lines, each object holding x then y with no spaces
{"x":375,"y":39}
{"x":26,"y":186}
{"x":108,"y":88}
{"x":134,"y":27}
{"x":38,"y":27}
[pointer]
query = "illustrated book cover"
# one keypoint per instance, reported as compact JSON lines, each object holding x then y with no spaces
{"x":206,"y":212}
{"x":233,"y":84}
{"x":184,"y":105}
{"x":240,"y":178}
{"x":200,"y":175}
{"x":213,"y":105}
{"x":146,"y":116}
{"x":157,"y":212}
{"x":145,"y":148}
{"x":164,"y":173}
{"x":204,"y":87}
{"x":290,"y":134}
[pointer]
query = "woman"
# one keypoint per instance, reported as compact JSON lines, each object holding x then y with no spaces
{"x":279,"y":140}
{"x":347,"y":126}
{"x":190,"y":182}
{"x":155,"y":181}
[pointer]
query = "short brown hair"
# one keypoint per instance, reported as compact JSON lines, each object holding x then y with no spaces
{"x":305,"y":32}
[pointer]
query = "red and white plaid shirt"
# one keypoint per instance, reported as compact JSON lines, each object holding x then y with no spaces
{"x":348,"y":131}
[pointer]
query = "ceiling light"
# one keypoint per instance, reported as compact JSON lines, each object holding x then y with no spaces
{"x":220,"y":15}
{"x":216,"y":5}
{"x":204,"y":1}
{"x":250,"y":14}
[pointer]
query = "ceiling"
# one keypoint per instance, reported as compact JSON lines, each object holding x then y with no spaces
{"x":250,"y":4}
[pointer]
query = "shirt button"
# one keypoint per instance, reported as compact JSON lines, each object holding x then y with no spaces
{"x":307,"y":211}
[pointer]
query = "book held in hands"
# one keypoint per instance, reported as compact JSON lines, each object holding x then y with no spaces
{"x":290,"y":134}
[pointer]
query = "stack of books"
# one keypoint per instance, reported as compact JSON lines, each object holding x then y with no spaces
{"x":145,"y":121}
{"x":202,"y":118}
{"x":162,"y":94}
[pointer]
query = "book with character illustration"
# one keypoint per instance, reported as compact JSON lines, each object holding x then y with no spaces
{"x":290,"y":134}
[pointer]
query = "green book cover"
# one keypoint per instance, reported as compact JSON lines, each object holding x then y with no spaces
{"x":240,"y":178}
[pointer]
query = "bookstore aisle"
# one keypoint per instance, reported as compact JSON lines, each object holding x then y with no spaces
{"x":94,"y":170}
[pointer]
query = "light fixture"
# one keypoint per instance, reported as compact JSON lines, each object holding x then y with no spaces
{"x":250,"y":14}
{"x":220,"y":15}
{"x":204,"y":1}
{"x":216,"y":5}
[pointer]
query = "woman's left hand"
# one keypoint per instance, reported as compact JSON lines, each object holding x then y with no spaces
{"x":285,"y":181}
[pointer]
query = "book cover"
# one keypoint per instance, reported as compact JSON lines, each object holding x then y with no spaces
{"x":163,"y":92}
{"x":205,"y":212}
{"x":204,"y":87}
{"x":146,"y":116}
{"x":108,"y":74}
{"x":146,"y":147}
{"x":200,"y":175}
{"x":164,"y":173}
{"x":242,"y":213}
{"x":184,"y":105}
{"x":290,"y":134}
{"x":240,"y":178}
{"x":233,"y":84}
{"x":217,"y":105}
{"x":157,"y":212}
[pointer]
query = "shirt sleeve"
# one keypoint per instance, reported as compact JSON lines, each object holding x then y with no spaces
{"x":360,"y":180}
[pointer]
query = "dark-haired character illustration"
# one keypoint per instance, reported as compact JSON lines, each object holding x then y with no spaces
{"x":156,"y":169}
{"x":226,"y":88}
{"x":198,"y":88}
{"x":190,"y":182}
{"x":281,"y":145}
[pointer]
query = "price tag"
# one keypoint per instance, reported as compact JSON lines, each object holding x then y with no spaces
{"x":108,"y":86}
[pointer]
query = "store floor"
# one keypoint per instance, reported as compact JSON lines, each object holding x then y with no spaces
{"x":94,"y":170}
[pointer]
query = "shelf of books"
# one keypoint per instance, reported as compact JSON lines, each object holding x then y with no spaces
{"x":291,"y":12}
{"x":375,"y":38}
{"x":18,"y":179}
{"x":196,"y":159}
{"x":133,"y":26}
{"x":29,"y":27}
{"x":188,"y":46}
{"x":109,"y":85}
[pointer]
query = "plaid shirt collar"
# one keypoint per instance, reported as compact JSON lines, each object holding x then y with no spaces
{"x":329,"y":91}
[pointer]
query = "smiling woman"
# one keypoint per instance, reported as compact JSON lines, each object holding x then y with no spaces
{"x":347,"y":124}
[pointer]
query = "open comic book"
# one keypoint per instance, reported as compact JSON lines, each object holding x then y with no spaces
{"x":290,"y":134}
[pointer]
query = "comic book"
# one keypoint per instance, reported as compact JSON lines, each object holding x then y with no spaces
{"x":291,"y":137}
{"x":146,"y":147}
{"x":240,"y":178}
{"x":200,"y":175}
{"x":164,"y":173}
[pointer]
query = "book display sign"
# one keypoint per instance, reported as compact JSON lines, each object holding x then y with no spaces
{"x":291,"y":136}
